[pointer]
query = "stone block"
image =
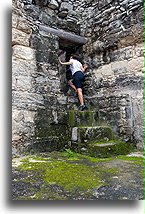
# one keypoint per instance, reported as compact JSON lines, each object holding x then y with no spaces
{"x":27,"y":100}
{"x":41,"y":3}
{"x":119,"y":67}
{"x":45,"y":145}
{"x":122,"y":54}
{"x":108,"y":149}
{"x":24,"y":26}
{"x":62,"y":118}
{"x":24,"y":83}
{"x":23,"y":122}
{"x":98,"y":46}
{"x":53,"y":4}
{"x":136,"y":65}
{"x":66,"y":6}
{"x":127,"y":41}
{"x":23,"y":52}
{"x":63,"y":14}
{"x":85,"y":135}
{"x":20,"y":37}
{"x":86,"y":118}
{"x":23,"y":67}
{"x":62,"y":99}
{"x":139,"y":50}
{"x":14,"y":20}
{"x":21,"y":23}
{"x":104,"y":71}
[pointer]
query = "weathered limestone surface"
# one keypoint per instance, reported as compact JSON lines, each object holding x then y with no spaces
{"x":115,"y":53}
{"x":114,"y":80}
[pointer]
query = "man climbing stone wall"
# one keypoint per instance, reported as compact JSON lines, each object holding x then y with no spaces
{"x":115,"y":53}
{"x":114,"y":83}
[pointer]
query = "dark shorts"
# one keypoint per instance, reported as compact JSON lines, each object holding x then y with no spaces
{"x":78,"y":79}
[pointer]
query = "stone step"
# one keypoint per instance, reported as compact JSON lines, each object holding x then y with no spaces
{"x":85,"y":135}
{"x":49,"y":144}
{"x":97,"y":141}
{"x":108,"y":149}
{"x":83,"y":118}
{"x":103,"y":149}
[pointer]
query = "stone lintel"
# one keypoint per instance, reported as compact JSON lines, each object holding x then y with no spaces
{"x":73,"y":38}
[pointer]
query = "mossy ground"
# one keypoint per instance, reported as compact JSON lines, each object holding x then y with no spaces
{"x":67,"y":175}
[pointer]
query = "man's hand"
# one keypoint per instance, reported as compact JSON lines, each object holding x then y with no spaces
{"x":64,"y":63}
{"x":85,"y":66}
{"x":59,"y":61}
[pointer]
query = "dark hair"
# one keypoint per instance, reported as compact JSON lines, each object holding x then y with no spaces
{"x":74,"y":56}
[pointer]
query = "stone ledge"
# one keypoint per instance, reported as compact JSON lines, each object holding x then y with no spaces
{"x":85,"y":135}
{"x":108,"y":149}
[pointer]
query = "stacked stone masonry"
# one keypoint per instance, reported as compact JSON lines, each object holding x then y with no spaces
{"x":114,"y":79}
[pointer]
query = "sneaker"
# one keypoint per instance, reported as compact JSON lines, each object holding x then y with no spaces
{"x":82,"y":107}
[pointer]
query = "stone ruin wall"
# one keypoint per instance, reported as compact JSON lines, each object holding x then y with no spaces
{"x":39,"y":105}
{"x":115,"y":53}
{"x":114,"y":80}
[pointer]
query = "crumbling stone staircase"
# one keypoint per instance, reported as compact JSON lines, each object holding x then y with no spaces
{"x":81,"y":131}
{"x":89,"y":137}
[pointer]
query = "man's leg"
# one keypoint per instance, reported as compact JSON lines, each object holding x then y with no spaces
{"x":80,"y":96}
{"x":72,"y":85}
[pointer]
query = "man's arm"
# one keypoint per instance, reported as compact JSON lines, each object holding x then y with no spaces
{"x":65,"y":63}
{"x":83,"y":68}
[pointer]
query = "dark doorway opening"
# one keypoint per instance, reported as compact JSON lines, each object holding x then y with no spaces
{"x":66,"y":50}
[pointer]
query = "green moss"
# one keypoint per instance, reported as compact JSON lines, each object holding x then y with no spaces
{"x":72,"y":154}
{"x":100,"y":159}
{"x":72,"y":159}
{"x":137,"y":163}
{"x":81,"y":118}
{"x":65,"y":175}
{"x":86,"y":126}
{"x":124,"y":157}
{"x":110,"y":141}
{"x":68,"y":175}
{"x":71,"y":118}
{"x":86,"y":118}
{"x":25,"y":160}
{"x":93,"y":133}
{"x":93,"y":159}
{"x":110,"y":170}
{"x":110,"y":150}
{"x":41,"y":159}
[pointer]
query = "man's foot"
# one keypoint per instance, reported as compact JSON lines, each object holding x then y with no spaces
{"x":82,"y":107}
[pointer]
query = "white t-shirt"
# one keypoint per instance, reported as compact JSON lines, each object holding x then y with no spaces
{"x":76,"y":66}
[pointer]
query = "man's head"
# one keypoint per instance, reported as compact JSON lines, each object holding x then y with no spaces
{"x":74,"y":56}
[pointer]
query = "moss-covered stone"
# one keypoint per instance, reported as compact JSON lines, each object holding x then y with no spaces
{"x":109,"y":149}
{"x":71,"y":154}
{"x":72,"y":176}
{"x":98,"y":133}
{"x":83,"y":118}
{"x":71,"y":118}
{"x":86,"y":135}
{"x":131,"y":158}
{"x":67,"y":175}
